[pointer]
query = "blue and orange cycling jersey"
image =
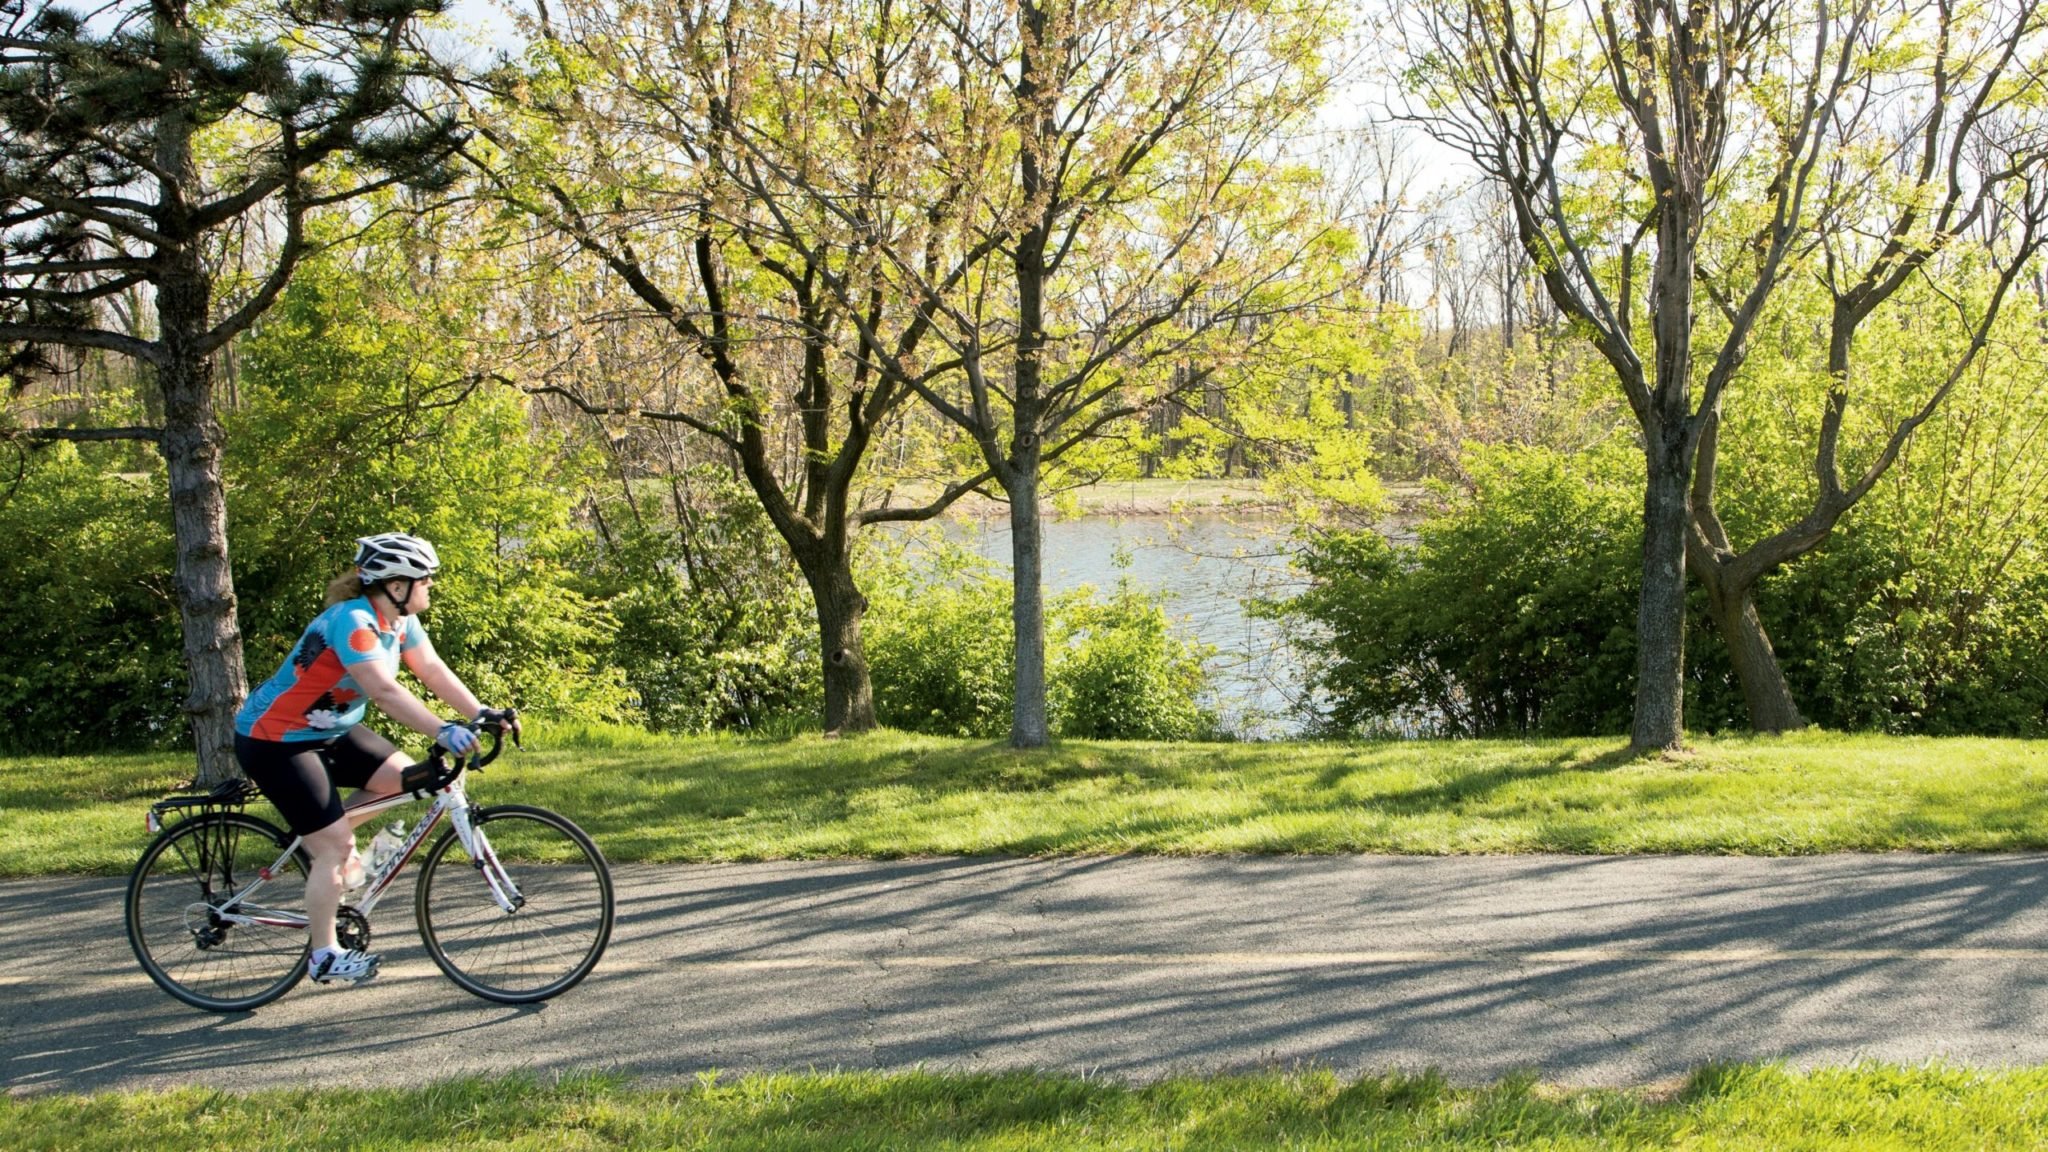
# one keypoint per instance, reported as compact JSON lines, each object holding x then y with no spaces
{"x":312,"y":697}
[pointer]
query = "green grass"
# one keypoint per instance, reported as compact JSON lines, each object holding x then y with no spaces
{"x":648,"y":798}
{"x":1734,"y":1107}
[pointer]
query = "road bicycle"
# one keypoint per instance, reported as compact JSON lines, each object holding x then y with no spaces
{"x":523,"y":912}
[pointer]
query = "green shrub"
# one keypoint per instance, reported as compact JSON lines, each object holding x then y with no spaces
{"x":941,"y":653}
{"x":1117,"y":672}
{"x":95,"y":649}
{"x":941,"y":650}
{"x":1514,"y":613}
{"x":716,"y":632}
{"x":1894,"y":628}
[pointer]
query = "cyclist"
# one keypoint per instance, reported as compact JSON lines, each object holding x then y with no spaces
{"x":299,"y":737}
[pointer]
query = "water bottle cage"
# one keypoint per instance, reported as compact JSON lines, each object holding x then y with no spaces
{"x":386,"y":845}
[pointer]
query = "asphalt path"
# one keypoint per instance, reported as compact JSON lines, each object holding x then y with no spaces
{"x":1586,"y":970}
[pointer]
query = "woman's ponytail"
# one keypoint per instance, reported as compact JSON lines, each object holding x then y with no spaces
{"x":346,"y":586}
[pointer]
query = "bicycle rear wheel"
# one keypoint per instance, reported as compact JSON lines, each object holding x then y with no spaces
{"x":190,"y":951}
{"x":555,"y":933}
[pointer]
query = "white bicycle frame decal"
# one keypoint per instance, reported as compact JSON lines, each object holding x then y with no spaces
{"x":449,"y":801}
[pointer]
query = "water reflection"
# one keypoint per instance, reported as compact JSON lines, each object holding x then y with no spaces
{"x":1208,"y":565}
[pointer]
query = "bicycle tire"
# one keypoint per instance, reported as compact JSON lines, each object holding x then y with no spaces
{"x":210,"y":965}
{"x":551,"y":941}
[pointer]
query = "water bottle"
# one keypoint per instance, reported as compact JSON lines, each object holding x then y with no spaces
{"x":384,"y":848}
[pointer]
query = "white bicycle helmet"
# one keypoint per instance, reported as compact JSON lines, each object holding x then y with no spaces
{"x":395,"y":556}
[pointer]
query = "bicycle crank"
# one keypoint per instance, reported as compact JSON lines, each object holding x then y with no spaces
{"x":351,"y":929}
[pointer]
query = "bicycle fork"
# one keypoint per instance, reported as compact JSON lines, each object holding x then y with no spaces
{"x":504,"y":892}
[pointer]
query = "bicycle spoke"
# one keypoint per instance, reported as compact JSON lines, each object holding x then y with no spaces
{"x":552,"y":938}
{"x":522,"y":928}
{"x":194,"y":953}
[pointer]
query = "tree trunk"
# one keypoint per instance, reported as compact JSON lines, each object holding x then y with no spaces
{"x":199,"y":518}
{"x":1731,"y":595}
{"x":1028,"y":724}
{"x":191,"y":447}
{"x":1669,"y":444}
{"x":1764,"y":691}
{"x":1660,"y":619}
{"x":1019,"y":474}
{"x":849,"y":693}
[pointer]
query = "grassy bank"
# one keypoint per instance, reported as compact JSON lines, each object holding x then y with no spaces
{"x":649,"y":798}
{"x":1740,"y":1107}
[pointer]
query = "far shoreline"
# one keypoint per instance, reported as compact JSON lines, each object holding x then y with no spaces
{"x":1146,"y":498}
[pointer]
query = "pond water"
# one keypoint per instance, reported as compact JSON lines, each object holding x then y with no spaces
{"x":1207,"y":565}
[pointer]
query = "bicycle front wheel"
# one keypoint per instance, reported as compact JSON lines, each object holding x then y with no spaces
{"x":561,"y":916}
{"x":183,"y":942}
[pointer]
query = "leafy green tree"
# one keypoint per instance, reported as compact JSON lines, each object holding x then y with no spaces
{"x":140,"y":140}
{"x":617,"y":138}
{"x":357,"y":417}
{"x":1089,"y":206}
{"x":1913,"y":616}
{"x":1671,"y":168}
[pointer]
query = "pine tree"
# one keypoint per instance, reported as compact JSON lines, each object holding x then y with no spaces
{"x":134,"y":143}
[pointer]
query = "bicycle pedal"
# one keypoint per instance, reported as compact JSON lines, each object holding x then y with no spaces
{"x":345,"y":982}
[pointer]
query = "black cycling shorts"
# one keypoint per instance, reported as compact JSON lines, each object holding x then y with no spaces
{"x":301,"y":778}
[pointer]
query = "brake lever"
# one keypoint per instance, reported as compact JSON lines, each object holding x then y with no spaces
{"x":508,"y":723}
{"x":499,"y":727}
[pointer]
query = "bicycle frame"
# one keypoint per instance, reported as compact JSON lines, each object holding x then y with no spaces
{"x":451,"y":801}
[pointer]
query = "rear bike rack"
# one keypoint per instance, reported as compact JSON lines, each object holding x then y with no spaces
{"x":233,"y":793}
